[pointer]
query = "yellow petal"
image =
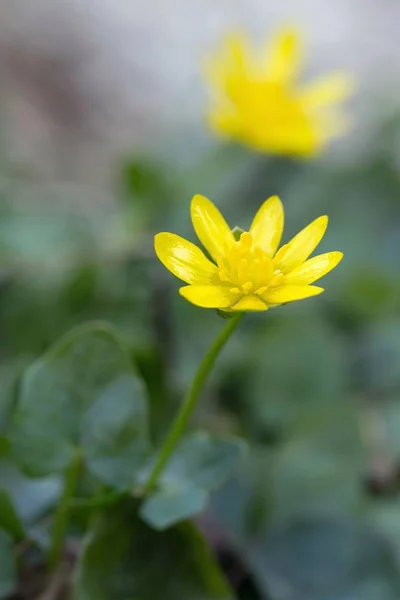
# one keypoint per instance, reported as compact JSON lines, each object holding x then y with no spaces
{"x":238,"y":50}
{"x":183,"y":259}
{"x":314,"y":268}
{"x":209,"y":296}
{"x":284,"y":56}
{"x":301,"y":246}
{"x":289,"y":293}
{"x":231,"y":59}
{"x":267,"y":225}
{"x":210,"y":227}
{"x":327,"y":90}
{"x":249,"y":303}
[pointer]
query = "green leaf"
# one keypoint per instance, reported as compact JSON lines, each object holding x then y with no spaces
{"x":114,"y":437}
{"x":145,"y":564}
{"x":166,"y":508}
{"x":204,"y":460}
{"x":82,"y":394}
{"x":10,"y":371}
{"x":8,"y":570}
{"x":200,"y":464}
{"x":31,"y":498}
{"x":324,"y":559}
{"x":9,"y":520}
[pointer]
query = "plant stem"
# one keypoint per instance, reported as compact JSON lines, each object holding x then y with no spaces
{"x":190,"y":401}
{"x":71,"y":477}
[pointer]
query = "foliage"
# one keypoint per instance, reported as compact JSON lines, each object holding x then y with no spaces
{"x":98,"y":349}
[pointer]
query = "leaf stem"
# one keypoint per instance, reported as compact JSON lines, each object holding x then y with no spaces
{"x":71,"y":478}
{"x":190,"y":401}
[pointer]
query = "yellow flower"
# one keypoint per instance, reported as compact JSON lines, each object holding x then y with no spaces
{"x":248,"y":274}
{"x":258,"y":100}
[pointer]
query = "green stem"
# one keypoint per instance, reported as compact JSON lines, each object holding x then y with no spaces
{"x":190,"y":401}
{"x":71,"y":478}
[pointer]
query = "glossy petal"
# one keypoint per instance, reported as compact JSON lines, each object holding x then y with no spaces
{"x":267,"y":225}
{"x":183,"y":259}
{"x":327,"y":91}
{"x":289,"y":293}
{"x":210,"y":227}
{"x":249,"y":303}
{"x":301,"y":246}
{"x":313,"y":269}
{"x":209,"y":296}
{"x":284,"y":56}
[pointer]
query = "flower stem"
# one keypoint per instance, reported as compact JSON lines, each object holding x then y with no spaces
{"x":71,"y":477}
{"x":190,"y":401}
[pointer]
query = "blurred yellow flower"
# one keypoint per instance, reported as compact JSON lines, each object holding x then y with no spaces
{"x":257,"y":99}
{"x":248,"y":274}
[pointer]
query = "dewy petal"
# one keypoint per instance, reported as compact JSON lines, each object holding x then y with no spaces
{"x":210,"y":227}
{"x":301,"y":246}
{"x":289,"y":293}
{"x":209,"y":296}
{"x":327,"y":90}
{"x":267,"y":225}
{"x":284,"y":54}
{"x":183,"y":259}
{"x":313,"y":269}
{"x":249,"y":303}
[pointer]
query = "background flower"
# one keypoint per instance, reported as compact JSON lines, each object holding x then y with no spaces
{"x":257,"y":99}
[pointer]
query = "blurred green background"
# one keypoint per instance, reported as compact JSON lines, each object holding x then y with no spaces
{"x":314,"y":513}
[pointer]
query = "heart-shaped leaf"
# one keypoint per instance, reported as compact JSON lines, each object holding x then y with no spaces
{"x":200,"y":464}
{"x":82,"y":395}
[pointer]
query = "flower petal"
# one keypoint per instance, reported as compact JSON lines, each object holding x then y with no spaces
{"x":289,"y":293}
{"x":284,"y":56}
{"x":183,"y":259}
{"x":210,"y":226}
{"x":301,"y":246}
{"x":327,"y":91}
{"x":250,"y":303}
{"x":237,"y":47}
{"x":267,"y":225}
{"x":230,"y":60}
{"x":314,"y":268}
{"x":209,"y":296}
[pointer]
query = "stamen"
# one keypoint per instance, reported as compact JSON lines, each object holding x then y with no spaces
{"x":247,"y":267}
{"x":246,"y":240}
{"x":243,"y":269}
{"x":259,"y":253}
{"x":223,"y":276}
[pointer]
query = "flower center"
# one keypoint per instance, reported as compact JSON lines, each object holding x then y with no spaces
{"x":247,"y":268}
